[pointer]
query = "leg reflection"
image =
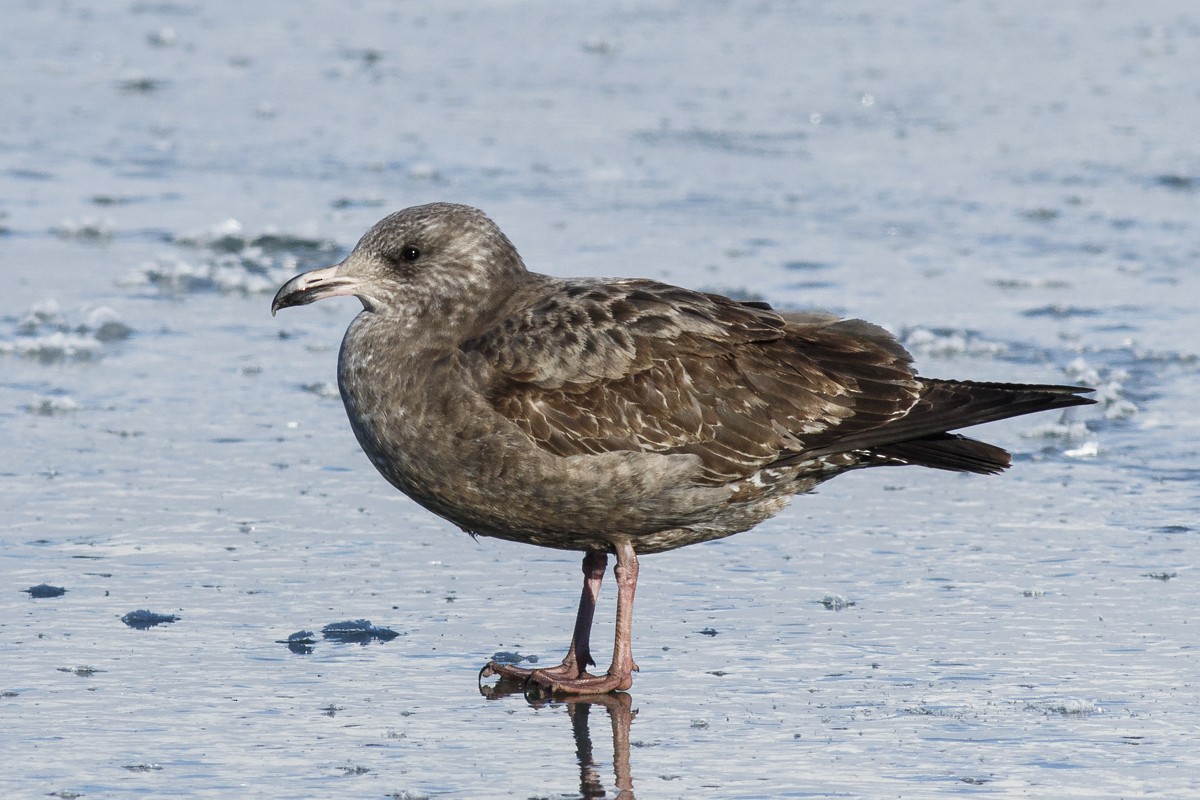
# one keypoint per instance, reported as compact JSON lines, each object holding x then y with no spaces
{"x":619,"y":707}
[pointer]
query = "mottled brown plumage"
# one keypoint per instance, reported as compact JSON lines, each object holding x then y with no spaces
{"x":624,"y":416}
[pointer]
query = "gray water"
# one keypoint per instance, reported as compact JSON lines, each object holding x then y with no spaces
{"x":1013,"y":187}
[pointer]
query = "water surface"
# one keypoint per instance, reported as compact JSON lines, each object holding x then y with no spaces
{"x":1013,"y":188}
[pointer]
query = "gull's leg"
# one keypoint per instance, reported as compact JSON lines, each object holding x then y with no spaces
{"x":620,"y":672}
{"x":579,"y":655}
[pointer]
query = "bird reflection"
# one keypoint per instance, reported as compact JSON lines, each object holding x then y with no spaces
{"x":619,"y":706}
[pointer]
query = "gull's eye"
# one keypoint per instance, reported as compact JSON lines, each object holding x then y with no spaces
{"x":410,"y":253}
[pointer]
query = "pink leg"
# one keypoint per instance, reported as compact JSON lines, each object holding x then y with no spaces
{"x":579,"y":655}
{"x":620,"y":672}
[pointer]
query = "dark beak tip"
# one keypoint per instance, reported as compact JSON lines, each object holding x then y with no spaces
{"x":286,"y":296}
{"x":309,"y":287}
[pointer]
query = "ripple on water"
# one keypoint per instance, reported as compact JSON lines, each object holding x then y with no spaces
{"x":48,"y":334}
{"x":230,"y":261}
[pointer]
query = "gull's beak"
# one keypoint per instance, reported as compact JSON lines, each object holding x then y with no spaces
{"x":309,"y":287}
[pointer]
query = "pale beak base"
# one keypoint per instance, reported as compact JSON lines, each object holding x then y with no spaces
{"x":309,"y":287}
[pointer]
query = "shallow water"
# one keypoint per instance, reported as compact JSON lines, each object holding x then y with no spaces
{"x":1013,"y":188}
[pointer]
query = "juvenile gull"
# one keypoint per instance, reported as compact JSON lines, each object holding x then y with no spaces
{"x":618,"y":416}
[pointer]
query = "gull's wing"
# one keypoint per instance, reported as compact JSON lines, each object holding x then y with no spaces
{"x":636,"y":365}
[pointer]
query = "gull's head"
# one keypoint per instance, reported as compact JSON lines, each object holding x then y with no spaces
{"x":429,"y":260}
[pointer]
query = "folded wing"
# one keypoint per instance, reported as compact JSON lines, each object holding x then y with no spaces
{"x":637,"y":365}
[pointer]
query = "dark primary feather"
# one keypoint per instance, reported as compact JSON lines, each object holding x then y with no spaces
{"x":920,"y":437}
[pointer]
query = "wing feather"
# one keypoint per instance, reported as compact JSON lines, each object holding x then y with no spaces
{"x":636,"y":365}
